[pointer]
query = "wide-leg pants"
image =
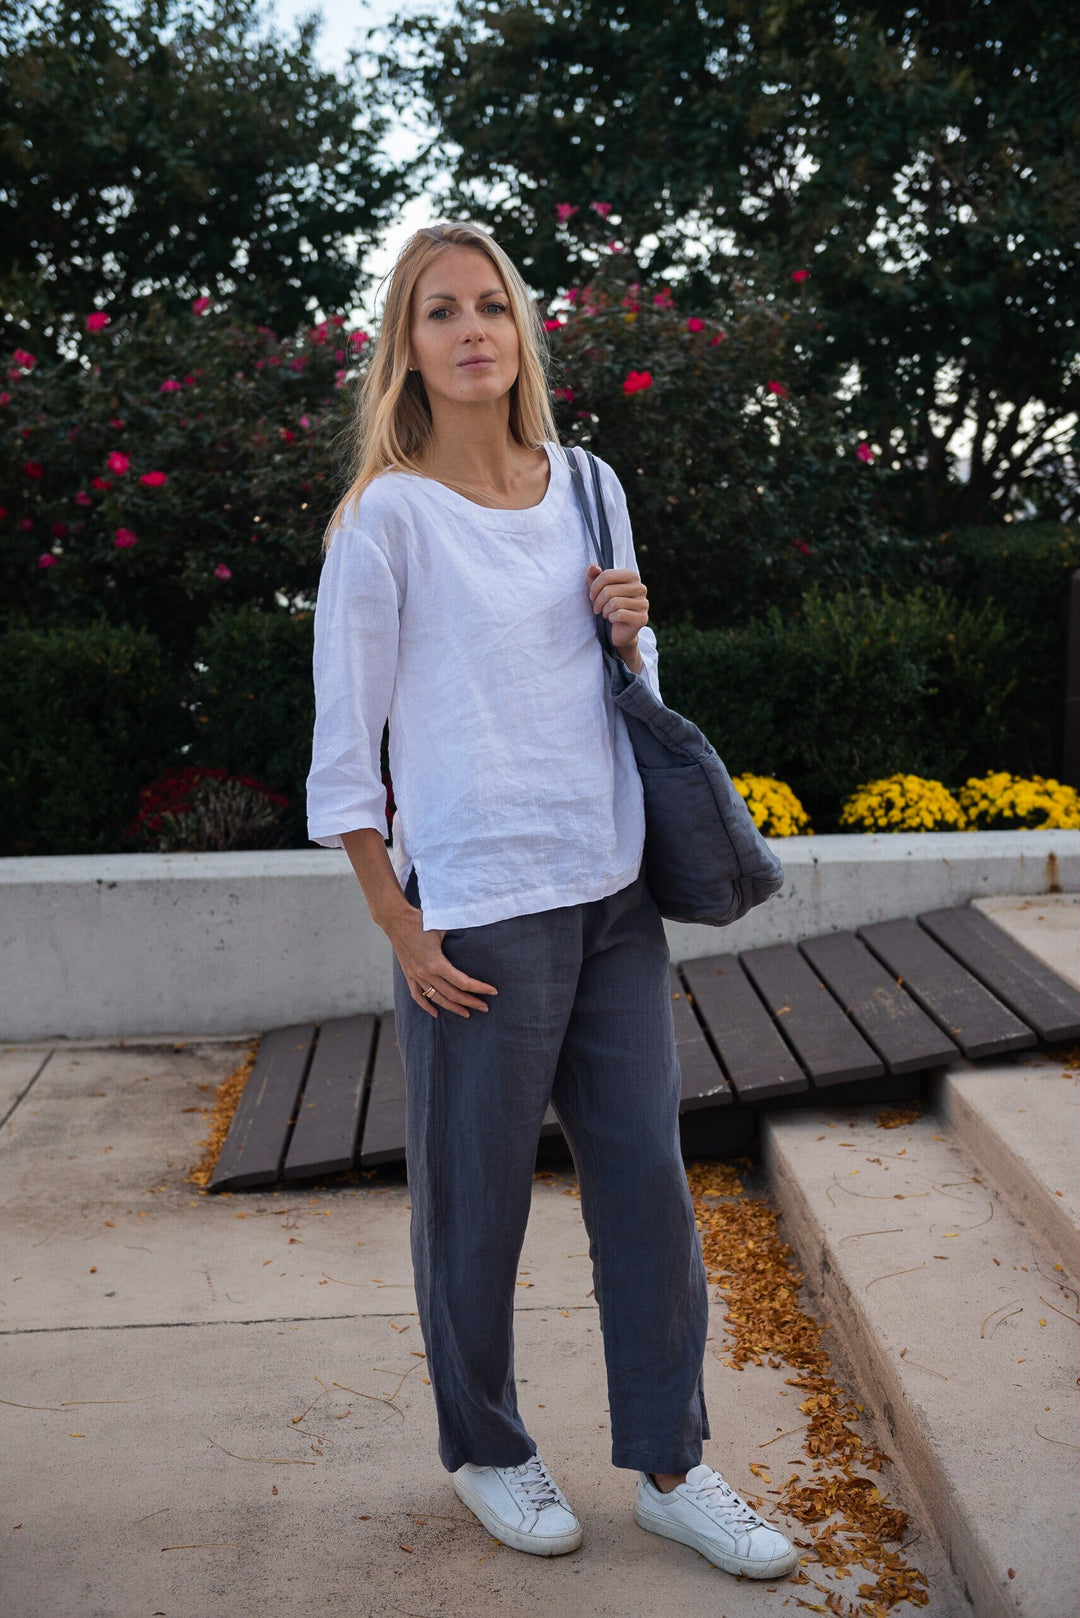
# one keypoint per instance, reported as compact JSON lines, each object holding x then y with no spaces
{"x":582,"y":1020}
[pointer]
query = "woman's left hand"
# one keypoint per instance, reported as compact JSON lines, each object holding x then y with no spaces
{"x":622,"y":598}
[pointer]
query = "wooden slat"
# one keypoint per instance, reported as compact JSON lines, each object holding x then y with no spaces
{"x":324,"y":1135}
{"x":827,"y":1043}
{"x":255,"y":1144}
{"x":1019,"y":979}
{"x":384,"y":1120}
{"x":703,"y":1081}
{"x":968,"y":1013}
{"x":905,"y":1038}
{"x":758,"y":1063}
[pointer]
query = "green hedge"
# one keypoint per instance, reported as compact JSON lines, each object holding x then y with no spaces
{"x":850,"y":688}
{"x":87,"y":717}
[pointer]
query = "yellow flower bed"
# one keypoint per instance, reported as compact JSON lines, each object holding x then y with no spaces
{"x":902,"y":803}
{"x":999,"y":801}
{"x":774,"y":808}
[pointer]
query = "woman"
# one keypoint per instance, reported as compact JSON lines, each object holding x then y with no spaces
{"x":456,"y":597}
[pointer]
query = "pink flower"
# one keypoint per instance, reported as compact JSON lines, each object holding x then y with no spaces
{"x":123,"y":539}
{"x":275,"y":359}
{"x":97,"y":321}
{"x":865,"y":453}
{"x":564,"y":211}
{"x":154,"y":480}
{"x":563,"y":393}
{"x":778,"y":388}
{"x":27,"y":361}
{"x":101,"y":483}
{"x":304,"y":422}
{"x":5,"y":398}
{"x":189,"y":381}
{"x":552,"y":325}
{"x":664,"y":300}
{"x":573,"y":294}
{"x":694,"y":324}
{"x":637,"y":381}
{"x":259,"y":364}
{"x":800,"y":275}
{"x":631,"y":303}
{"x":602,"y":208}
{"x":357,"y":339}
{"x":3,"y":512}
{"x":33,"y":469}
{"x":170,"y":386}
{"x":25,"y":525}
{"x":117,"y":461}
{"x":337,"y":320}
{"x":60,"y":530}
{"x":339,"y":356}
{"x":339,"y":379}
{"x":46,"y":560}
{"x":719,"y":338}
{"x":116,"y":422}
{"x":317,"y":334}
{"x":199,"y":306}
{"x":298,"y":363}
{"x":222,"y":572}
{"x":83,"y":499}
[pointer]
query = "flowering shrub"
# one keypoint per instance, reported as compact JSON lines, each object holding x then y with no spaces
{"x":199,"y":810}
{"x":999,"y":800}
{"x":902,"y":803}
{"x":775,"y":809}
{"x":170,"y":466}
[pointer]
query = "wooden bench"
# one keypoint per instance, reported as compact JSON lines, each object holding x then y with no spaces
{"x":845,"y":1017}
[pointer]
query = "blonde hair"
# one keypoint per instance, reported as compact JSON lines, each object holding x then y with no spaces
{"x":392,"y":427}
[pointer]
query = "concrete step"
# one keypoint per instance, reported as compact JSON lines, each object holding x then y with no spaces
{"x":961,"y":1331}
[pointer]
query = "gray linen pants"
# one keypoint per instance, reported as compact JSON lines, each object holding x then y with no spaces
{"x":582,"y":1019}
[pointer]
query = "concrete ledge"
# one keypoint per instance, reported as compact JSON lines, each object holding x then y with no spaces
{"x":128,"y":944}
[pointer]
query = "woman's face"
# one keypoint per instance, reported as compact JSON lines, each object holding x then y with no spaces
{"x":462,"y":337}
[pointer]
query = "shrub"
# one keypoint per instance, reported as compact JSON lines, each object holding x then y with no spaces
{"x":902,"y":803}
{"x":774,"y":808}
{"x":197,"y":810}
{"x":1000,"y":800}
{"x":86,"y":716}
{"x":847,"y":689}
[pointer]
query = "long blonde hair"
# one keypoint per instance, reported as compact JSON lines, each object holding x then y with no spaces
{"x":392,"y":427}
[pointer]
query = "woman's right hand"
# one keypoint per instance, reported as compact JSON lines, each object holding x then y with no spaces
{"x":421,"y":959}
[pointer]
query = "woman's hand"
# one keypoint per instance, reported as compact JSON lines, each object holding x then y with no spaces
{"x":624,"y":602}
{"x":425,"y":966}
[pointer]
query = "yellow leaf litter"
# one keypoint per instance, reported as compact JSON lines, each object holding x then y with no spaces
{"x":852,"y":1525}
{"x":226,"y":1100}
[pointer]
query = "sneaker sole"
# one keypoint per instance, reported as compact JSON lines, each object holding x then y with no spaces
{"x":771,"y":1569}
{"x":533,"y":1545}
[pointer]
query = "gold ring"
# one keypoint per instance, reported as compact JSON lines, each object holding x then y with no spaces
{"x":429,"y":993}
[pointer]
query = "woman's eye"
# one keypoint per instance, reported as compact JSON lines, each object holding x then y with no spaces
{"x":500,"y":308}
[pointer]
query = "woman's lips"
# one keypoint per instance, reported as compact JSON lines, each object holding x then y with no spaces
{"x":464,"y":365}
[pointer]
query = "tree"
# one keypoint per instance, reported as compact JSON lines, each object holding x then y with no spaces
{"x":918,"y":160}
{"x":174,"y":152}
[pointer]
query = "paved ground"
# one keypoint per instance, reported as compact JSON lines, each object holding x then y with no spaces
{"x":196,"y":1391}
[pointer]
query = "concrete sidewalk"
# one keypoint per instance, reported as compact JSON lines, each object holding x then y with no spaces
{"x":216,"y":1407}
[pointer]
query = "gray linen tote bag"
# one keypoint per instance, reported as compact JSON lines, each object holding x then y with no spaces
{"x":705,"y":860}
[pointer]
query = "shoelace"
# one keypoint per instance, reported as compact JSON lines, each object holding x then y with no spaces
{"x":531,"y":1479}
{"x":722,"y":1498}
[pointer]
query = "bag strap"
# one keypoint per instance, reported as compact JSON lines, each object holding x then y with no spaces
{"x":602,"y":546}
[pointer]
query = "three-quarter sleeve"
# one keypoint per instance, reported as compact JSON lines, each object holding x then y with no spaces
{"x":356,"y":646}
{"x":622,"y":546}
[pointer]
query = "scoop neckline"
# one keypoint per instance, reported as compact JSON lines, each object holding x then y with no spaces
{"x":504,"y":516}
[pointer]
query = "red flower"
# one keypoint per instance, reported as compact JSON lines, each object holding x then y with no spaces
{"x":664,"y":300}
{"x":33,"y":469}
{"x":189,"y":381}
{"x":564,"y":211}
{"x":801,"y":546}
{"x":694,"y":324}
{"x":800,"y":275}
{"x":199,"y":306}
{"x":154,"y":480}
{"x":223,"y":571}
{"x":602,"y":208}
{"x":25,"y":525}
{"x":83,"y":499}
{"x":60,"y":530}
{"x":563,"y":393}
{"x":719,"y":338}
{"x":778,"y":388}
{"x":637,"y":381}
{"x":116,"y":422}
{"x":357,"y":339}
{"x":123,"y":539}
{"x":865,"y":453}
{"x":170,"y":386}
{"x":317,"y":334}
{"x":298,"y":363}
{"x":5,"y":398}
{"x":287,"y":434}
{"x":117,"y":462}
{"x":25,"y":360}
{"x":100,"y":483}
{"x":46,"y":560}
{"x":552,"y":325}
{"x":97,"y":321}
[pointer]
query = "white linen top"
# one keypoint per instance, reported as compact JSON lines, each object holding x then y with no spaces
{"x":515,"y":783}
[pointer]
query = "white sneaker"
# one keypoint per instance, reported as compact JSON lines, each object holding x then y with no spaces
{"x":706,"y":1513}
{"x":520,"y":1505}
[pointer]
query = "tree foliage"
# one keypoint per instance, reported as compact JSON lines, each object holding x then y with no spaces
{"x":919,"y":160}
{"x":178,"y":150}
